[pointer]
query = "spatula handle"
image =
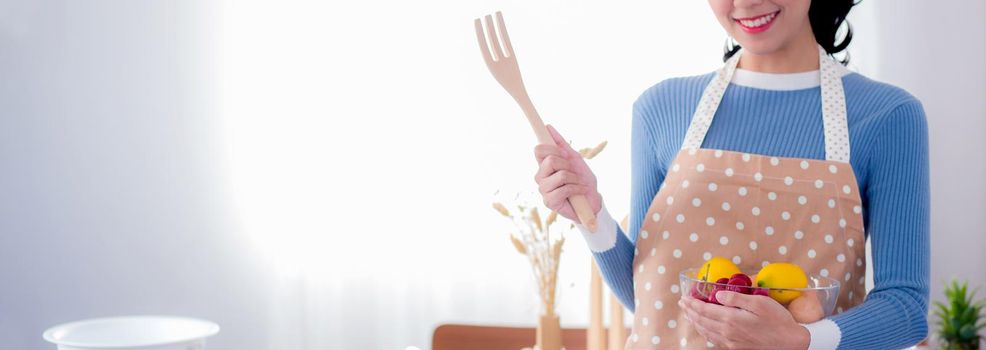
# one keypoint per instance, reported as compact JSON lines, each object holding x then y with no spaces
{"x":581,"y":205}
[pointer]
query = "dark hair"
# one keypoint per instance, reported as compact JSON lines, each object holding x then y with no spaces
{"x":825,"y":16}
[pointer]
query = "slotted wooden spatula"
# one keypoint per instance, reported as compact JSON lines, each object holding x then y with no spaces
{"x":502,"y":62}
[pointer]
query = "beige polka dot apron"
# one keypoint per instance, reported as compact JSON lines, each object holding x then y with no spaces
{"x":752,"y":209}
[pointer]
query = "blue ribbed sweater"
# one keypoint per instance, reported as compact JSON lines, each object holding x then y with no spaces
{"x":889,"y":145}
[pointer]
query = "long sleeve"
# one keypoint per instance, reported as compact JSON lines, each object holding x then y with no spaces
{"x":614,"y":255}
{"x":896,"y":204}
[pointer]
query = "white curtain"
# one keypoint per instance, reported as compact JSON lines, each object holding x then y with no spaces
{"x":366,"y":141}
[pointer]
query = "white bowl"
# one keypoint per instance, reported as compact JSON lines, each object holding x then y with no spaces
{"x":133,"y":333}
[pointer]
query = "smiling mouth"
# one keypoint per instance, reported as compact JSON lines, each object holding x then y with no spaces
{"x":757,"y":24}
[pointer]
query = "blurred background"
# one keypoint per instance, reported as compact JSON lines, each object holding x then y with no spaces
{"x":318,"y":175}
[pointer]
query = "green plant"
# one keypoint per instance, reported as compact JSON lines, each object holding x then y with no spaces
{"x":960,"y":320}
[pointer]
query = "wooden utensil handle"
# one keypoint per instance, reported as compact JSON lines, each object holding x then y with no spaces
{"x":579,"y":203}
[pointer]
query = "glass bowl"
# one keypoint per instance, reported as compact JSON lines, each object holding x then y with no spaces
{"x":806,"y":304}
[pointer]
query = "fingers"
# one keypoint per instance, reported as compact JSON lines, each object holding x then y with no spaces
{"x":697,"y":312}
{"x":558,"y":179}
{"x":558,"y":198}
{"x":752,"y":303}
{"x":543,"y":151}
{"x":549,"y":166}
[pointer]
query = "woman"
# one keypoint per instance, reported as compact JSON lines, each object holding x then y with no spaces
{"x":802,"y":160}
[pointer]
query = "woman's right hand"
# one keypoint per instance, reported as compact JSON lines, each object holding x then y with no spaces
{"x":562,"y":173}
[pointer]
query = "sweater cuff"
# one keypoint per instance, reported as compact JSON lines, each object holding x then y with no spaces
{"x":605,"y":236}
{"x":825,"y":335}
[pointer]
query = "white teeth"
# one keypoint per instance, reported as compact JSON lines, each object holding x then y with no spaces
{"x":757,"y":22}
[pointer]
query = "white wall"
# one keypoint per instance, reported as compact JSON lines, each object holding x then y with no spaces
{"x":111,"y":200}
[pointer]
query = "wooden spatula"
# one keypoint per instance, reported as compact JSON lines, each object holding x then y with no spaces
{"x":502,"y":62}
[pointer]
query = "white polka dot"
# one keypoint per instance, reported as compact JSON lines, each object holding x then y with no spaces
{"x":655,"y":340}
{"x":840,"y":258}
{"x":676,"y":253}
{"x":838,"y":309}
{"x":656,"y":217}
{"x":653,"y":251}
{"x":833,"y":169}
{"x":645,"y":321}
{"x":804,"y":164}
{"x":674,"y":289}
{"x":640,"y":268}
{"x":739,"y":225}
{"x":758,"y":177}
{"x":706,"y":256}
{"x":676,"y":167}
{"x":774,"y":161}
{"x":644,"y":234}
{"x":636,"y":251}
{"x":819,"y":183}
{"x":709,"y":344}
{"x":742,"y":191}
{"x":684,"y":342}
{"x":848,"y":276}
{"x":672,"y":323}
{"x":713,"y":187}
{"x":772,"y":196}
{"x":857,"y":209}
{"x":670,"y":200}
{"x":756,"y":211}
{"x":647,"y":286}
{"x":782,"y":250}
{"x":724,"y":240}
{"x":633,"y":337}
{"x":718,"y":153}
{"x":737,"y":260}
{"x":846,"y":189}
{"x":829,"y":239}
{"x":862,"y":280}
{"x":696,"y":202}
{"x":786,"y":216}
{"x":831,"y":203}
{"x":661,"y":269}
{"x":665,"y":234}
{"x":700,"y":167}
{"x":693,"y":237}
{"x":729,"y":172}
{"x":816,"y":219}
{"x":746,"y":157}
{"x":799,"y":235}
{"x":842,"y":223}
{"x":859,"y":261}
{"x":725,"y":206}
{"x":753,"y":246}
{"x":684,"y":184}
{"x":824,"y":272}
{"x":764,"y":263}
{"x":710,"y":221}
{"x":680,"y":218}
{"x":802,"y":200}
{"x":811,"y":253}
{"x":658,"y":305}
{"x":850,"y":295}
{"x":788,"y":180}
{"x":850,"y":242}
{"x":769,"y":230}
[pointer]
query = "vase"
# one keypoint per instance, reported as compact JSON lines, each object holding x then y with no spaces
{"x":548,"y":333}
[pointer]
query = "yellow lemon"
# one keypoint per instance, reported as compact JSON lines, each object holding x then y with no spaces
{"x":782,"y":275}
{"x":716,"y":268}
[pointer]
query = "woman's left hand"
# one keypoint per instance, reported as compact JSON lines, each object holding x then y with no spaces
{"x":745,"y":322}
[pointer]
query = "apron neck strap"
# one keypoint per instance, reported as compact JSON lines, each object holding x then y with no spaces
{"x":833,"y":107}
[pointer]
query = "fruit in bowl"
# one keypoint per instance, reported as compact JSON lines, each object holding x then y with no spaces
{"x":808,"y":298}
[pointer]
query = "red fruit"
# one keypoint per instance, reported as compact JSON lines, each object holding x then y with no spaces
{"x":699,"y":291}
{"x":740,"y":279}
{"x":761,"y":291}
{"x":721,"y":284}
{"x":723,"y":281}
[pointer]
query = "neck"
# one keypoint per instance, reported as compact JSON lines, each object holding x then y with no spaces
{"x":800,"y":55}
